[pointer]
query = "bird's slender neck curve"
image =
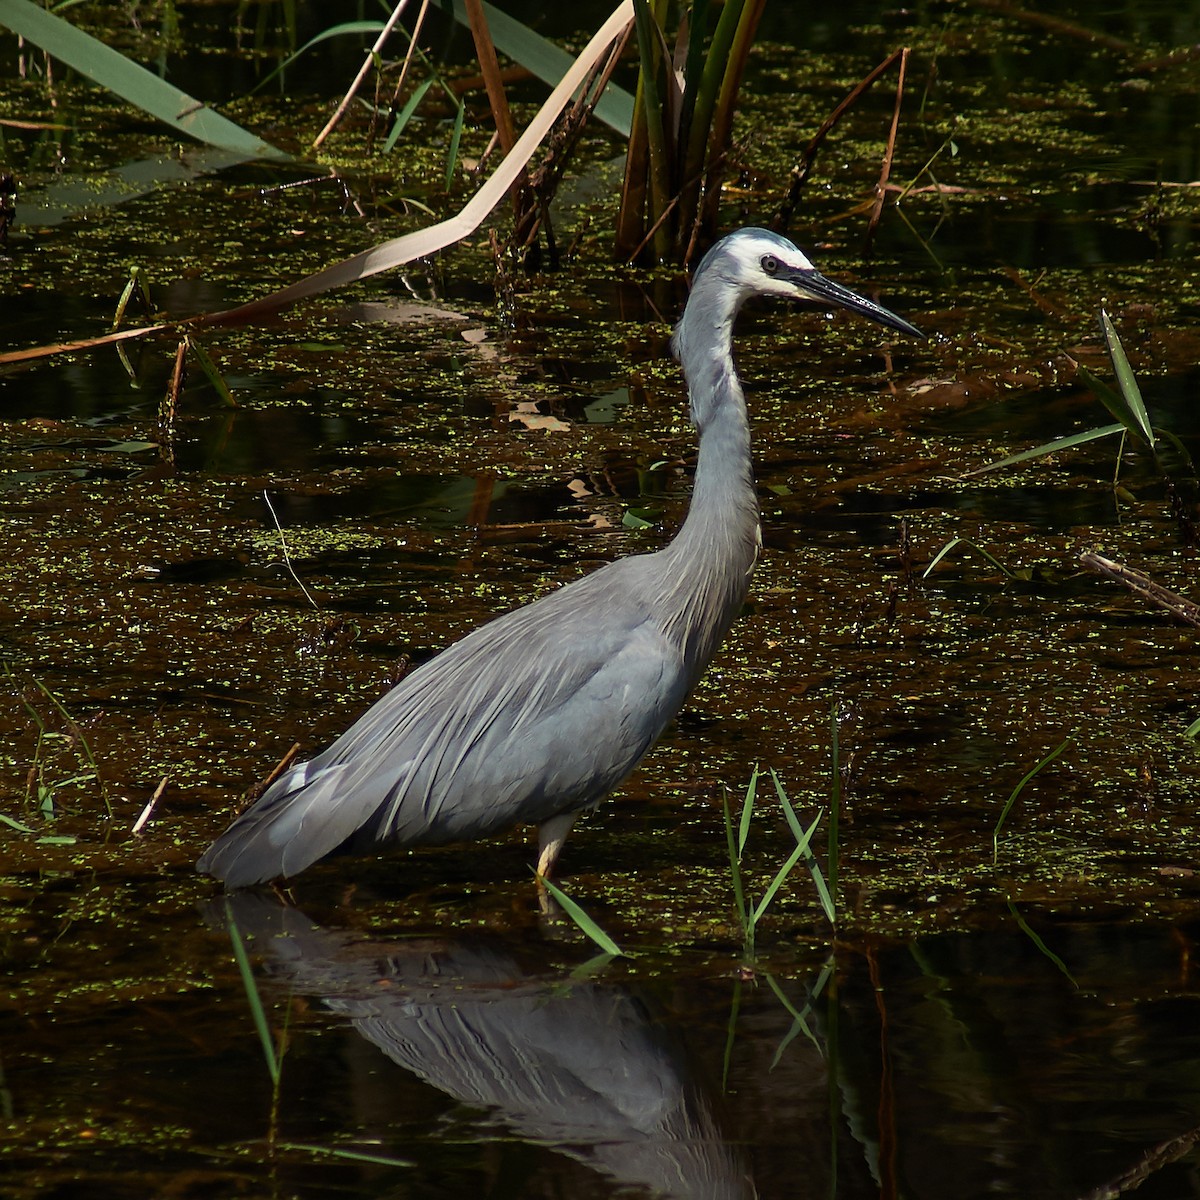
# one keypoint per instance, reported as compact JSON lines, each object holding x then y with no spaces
{"x":708,"y":565}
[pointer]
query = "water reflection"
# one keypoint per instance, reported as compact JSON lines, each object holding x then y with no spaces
{"x":583,"y":1067}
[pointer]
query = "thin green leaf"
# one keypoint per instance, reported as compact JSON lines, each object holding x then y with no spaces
{"x":13,"y":823}
{"x":747,"y":813}
{"x":212,"y":373}
{"x":256,"y":1005}
{"x":804,"y":841}
{"x":585,"y":923}
{"x":735,"y":872}
{"x":1179,"y":449}
{"x":1066,"y":443}
{"x":954,"y":542}
{"x":405,"y":114}
{"x":385,"y":1160}
{"x":835,"y":812}
{"x":777,"y":883}
{"x":455,"y":139}
{"x":131,"y":82}
{"x":58,"y":839}
{"x":1025,"y":928}
{"x":347,"y":29}
{"x":789,"y":812}
{"x":1017,"y":791}
{"x":1131,"y":394}
{"x":1193,"y":730}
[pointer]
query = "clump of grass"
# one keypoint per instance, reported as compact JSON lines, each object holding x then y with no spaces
{"x":47,"y":776}
{"x":751,"y":913}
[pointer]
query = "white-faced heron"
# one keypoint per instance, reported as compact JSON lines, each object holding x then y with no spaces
{"x":539,"y":714}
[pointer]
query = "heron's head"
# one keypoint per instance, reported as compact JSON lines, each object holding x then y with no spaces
{"x":757,"y":262}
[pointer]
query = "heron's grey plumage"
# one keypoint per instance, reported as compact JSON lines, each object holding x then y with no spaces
{"x":537,"y":715}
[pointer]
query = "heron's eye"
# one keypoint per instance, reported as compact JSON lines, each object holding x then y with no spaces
{"x":769,"y":263}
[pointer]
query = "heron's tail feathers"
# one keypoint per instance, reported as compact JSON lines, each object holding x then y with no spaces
{"x":301,"y":817}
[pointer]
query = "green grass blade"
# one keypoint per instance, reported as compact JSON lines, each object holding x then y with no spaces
{"x":1025,"y":928}
{"x":776,"y":883}
{"x":804,"y":841}
{"x":953,"y":543}
{"x":405,"y":114}
{"x":1018,"y":790}
{"x":747,"y":813}
{"x":735,"y":870}
{"x":13,"y":823}
{"x":788,"y":811}
{"x":1193,"y":730}
{"x":347,"y":29}
{"x":212,"y":373}
{"x":585,"y":923}
{"x":129,"y":80}
{"x":455,"y":139}
{"x":1066,"y":443}
{"x":362,"y":1156}
{"x":1131,"y":394}
{"x":256,"y":1005}
{"x":835,"y":812}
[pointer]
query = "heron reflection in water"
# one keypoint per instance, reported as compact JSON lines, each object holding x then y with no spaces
{"x":580,"y":1066}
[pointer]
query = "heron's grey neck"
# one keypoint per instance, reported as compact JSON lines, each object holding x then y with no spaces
{"x":706,"y":569}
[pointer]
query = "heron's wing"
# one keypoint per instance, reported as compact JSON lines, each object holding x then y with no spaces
{"x":540,"y":712}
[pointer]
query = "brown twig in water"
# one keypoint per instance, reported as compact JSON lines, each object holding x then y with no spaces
{"x":1151,"y":1161}
{"x":144,"y":816}
{"x":1142,"y":585}
{"x":166,"y":416}
{"x":524,"y":204}
{"x":888,"y":152}
{"x":802,"y":170}
{"x":257,"y":790}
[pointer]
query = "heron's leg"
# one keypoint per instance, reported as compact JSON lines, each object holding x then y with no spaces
{"x":551,"y":835}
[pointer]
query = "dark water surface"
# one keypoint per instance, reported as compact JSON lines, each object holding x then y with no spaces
{"x":1016,"y":1019}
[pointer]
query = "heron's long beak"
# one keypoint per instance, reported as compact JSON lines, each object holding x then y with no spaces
{"x":814,"y":286}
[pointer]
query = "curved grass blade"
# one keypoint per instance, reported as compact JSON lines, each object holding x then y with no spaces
{"x":776,"y":883}
{"x":362,"y":1156}
{"x":1076,"y":439}
{"x":804,"y":843}
{"x":1027,"y":930}
{"x":1133,"y":412}
{"x":735,"y":870}
{"x":957,"y":541}
{"x":405,"y":114}
{"x":585,"y":923}
{"x":347,"y":29}
{"x":257,"y":1011}
{"x":1018,"y":790}
{"x":129,"y":80}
